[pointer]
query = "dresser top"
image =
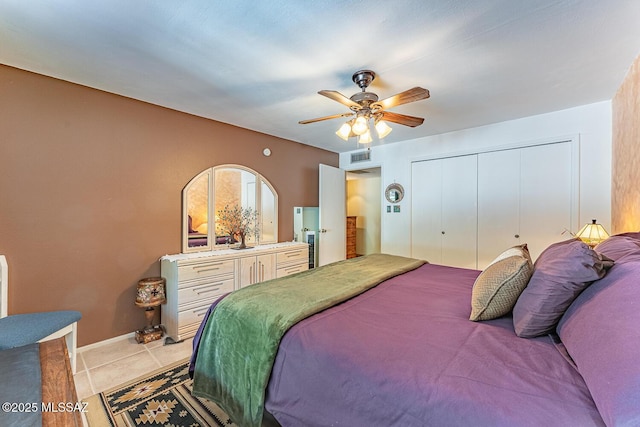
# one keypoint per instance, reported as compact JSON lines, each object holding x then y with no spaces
{"x":236,"y":252}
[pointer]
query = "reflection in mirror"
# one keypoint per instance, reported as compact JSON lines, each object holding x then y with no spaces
{"x":198,"y":211}
{"x":233,"y":187}
{"x":269,"y":210}
{"x":227,"y":186}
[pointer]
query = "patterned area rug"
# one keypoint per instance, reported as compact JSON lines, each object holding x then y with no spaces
{"x":161,"y":398}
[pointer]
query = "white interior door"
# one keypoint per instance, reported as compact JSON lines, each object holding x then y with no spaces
{"x":460,"y":211}
{"x":332,"y":239}
{"x":426,"y":211}
{"x":547,"y":195}
{"x":444,"y":211}
{"x":498,"y":204}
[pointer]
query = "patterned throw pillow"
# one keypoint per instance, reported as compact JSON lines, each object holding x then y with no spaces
{"x":498,"y":287}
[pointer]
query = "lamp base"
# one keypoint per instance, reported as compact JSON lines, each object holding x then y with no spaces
{"x":146,"y":335}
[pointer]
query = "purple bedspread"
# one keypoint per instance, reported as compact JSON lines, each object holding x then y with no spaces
{"x":405,"y":354}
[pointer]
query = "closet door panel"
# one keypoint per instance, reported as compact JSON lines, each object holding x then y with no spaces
{"x":426,"y":210}
{"x":460,"y":211}
{"x":546,"y":195}
{"x":498,"y":204}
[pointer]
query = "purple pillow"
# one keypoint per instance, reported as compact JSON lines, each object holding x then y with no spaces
{"x":621,"y":246}
{"x":560,"y":274}
{"x":601,"y":332}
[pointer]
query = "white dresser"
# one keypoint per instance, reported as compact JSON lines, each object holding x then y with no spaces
{"x":195,"y":280}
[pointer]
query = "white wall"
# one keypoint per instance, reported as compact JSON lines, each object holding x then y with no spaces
{"x":591,"y":123}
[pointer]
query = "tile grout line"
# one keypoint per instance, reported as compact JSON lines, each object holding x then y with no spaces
{"x":160,"y":365}
{"x":91,"y":370}
{"x":86,"y":369}
{"x":112,"y":361}
{"x":94,"y":389}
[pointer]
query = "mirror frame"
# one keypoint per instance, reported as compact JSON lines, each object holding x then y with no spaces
{"x":260,"y":179}
{"x":394,"y":187}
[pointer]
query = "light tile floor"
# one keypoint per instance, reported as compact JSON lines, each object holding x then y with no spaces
{"x":105,"y":366}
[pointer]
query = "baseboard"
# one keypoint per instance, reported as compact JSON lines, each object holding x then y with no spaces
{"x":131,"y":335}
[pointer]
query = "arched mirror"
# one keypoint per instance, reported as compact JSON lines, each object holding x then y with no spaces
{"x":211,"y":194}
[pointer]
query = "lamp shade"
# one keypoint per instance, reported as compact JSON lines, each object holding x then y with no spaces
{"x":360,"y":126}
{"x":382,"y":128}
{"x":344,"y":131}
{"x":151,"y":292}
{"x":365,"y":138}
{"x":592,"y":233}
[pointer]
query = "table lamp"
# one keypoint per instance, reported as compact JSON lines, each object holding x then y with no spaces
{"x":592,"y":233}
{"x":150,"y":295}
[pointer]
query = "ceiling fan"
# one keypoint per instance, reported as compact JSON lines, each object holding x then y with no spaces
{"x":365,"y":106}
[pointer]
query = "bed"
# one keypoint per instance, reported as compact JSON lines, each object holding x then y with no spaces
{"x":404,"y":352}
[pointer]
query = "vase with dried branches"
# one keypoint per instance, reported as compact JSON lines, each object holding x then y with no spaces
{"x":238,"y":222}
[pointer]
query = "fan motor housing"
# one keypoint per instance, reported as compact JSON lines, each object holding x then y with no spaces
{"x":364,"y":98}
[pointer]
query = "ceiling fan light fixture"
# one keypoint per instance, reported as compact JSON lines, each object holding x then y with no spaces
{"x":366,"y":106}
{"x":365,"y":138}
{"x":382,"y":128}
{"x":360,"y":126}
{"x":344,"y":131}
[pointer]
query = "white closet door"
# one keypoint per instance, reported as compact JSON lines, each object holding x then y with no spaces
{"x":426,"y":210}
{"x":546,"y":195}
{"x":460,"y":211}
{"x":444,"y":211}
{"x":498,"y":204}
{"x":466,"y":210}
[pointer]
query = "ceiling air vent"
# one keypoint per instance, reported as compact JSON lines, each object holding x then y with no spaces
{"x":361,"y":156}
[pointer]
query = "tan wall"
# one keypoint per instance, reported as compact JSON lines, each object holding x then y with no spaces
{"x":90,"y":193}
{"x":625,"y":191}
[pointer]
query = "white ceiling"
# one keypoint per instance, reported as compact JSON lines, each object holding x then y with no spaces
{"x":259,"y":64}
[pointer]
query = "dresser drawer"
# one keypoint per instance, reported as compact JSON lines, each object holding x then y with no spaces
{"x":192,"y":315}
{"x":293,"y":255}
{"x":196,"y":270}
{"x":285,"y":271}
{"x":187,"y":331}
{"x":204,"y":292}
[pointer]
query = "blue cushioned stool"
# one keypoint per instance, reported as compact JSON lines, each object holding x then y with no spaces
{"x":22,"y":329}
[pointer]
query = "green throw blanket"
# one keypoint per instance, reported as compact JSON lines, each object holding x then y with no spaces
{"x":241,"y":338}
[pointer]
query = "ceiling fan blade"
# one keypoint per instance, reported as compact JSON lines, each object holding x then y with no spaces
{"x":319,"y":119}
{"x":411,"y":95}
{"x":402,"y":119}
{"x":337,"y":96}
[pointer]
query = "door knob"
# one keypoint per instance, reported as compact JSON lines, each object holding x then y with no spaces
{"x":322,"y":230}
{"x":517,"y":236}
